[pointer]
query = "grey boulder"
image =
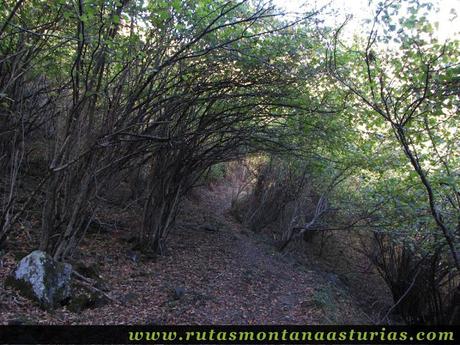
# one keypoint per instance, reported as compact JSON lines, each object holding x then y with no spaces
{"x":43,"y":279}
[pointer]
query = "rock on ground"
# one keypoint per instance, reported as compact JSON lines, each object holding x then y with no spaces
{"x":41,"y":278}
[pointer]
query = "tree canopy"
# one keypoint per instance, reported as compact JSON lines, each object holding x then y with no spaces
{"x":104,"y":92}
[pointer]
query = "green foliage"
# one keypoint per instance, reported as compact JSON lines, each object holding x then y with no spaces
{"x":216,"y":173}
{"x":403,"y":78}
{"x":187,"y":85}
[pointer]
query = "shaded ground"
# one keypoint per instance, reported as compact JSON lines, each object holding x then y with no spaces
{"x":215,"y":271}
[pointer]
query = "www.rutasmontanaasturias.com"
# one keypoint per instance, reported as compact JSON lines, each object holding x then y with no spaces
{"x":286,"y":335}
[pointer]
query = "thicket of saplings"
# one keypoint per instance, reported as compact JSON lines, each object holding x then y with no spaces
{"x":285,"y":196}
{"x":92,"y":102}
{"x":88,"y":101}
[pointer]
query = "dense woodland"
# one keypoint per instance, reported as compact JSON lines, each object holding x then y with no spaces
{"x":152,"y":100}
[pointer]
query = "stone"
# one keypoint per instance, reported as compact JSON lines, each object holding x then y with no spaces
{"x":133,"y":256}
{"x":88,"y":270}
{"x":178,"y":292}
{"x":129,"y":298}
{"x":86,"y":301}
{"x":43,"y":279}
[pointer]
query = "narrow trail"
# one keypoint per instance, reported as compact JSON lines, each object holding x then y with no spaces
{"x":253,"y":282}
{"x":215,"y":272}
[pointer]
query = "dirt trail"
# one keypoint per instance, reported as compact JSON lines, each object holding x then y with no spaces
{"x":215,"y":272}
{"x":254,"y":283}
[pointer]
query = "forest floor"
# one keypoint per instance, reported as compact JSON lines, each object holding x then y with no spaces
{"x":215,"y":271}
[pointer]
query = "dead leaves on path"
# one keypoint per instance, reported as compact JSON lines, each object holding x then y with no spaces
{"x":224,"y":276}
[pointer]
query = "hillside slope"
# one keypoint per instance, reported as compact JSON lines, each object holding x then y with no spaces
{"x":215,"y":272}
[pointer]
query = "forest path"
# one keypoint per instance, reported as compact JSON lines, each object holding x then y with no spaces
{"x":215,"y":272}
{"x":247,"y":280}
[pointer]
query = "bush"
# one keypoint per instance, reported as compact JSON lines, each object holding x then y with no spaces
{"x":281,"y":197}
{"x":423,"y":283}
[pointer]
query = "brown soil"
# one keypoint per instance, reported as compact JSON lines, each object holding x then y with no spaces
{"x":215,"y":272}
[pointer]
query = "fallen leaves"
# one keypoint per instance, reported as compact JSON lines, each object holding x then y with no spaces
{"x":226,"y":276}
